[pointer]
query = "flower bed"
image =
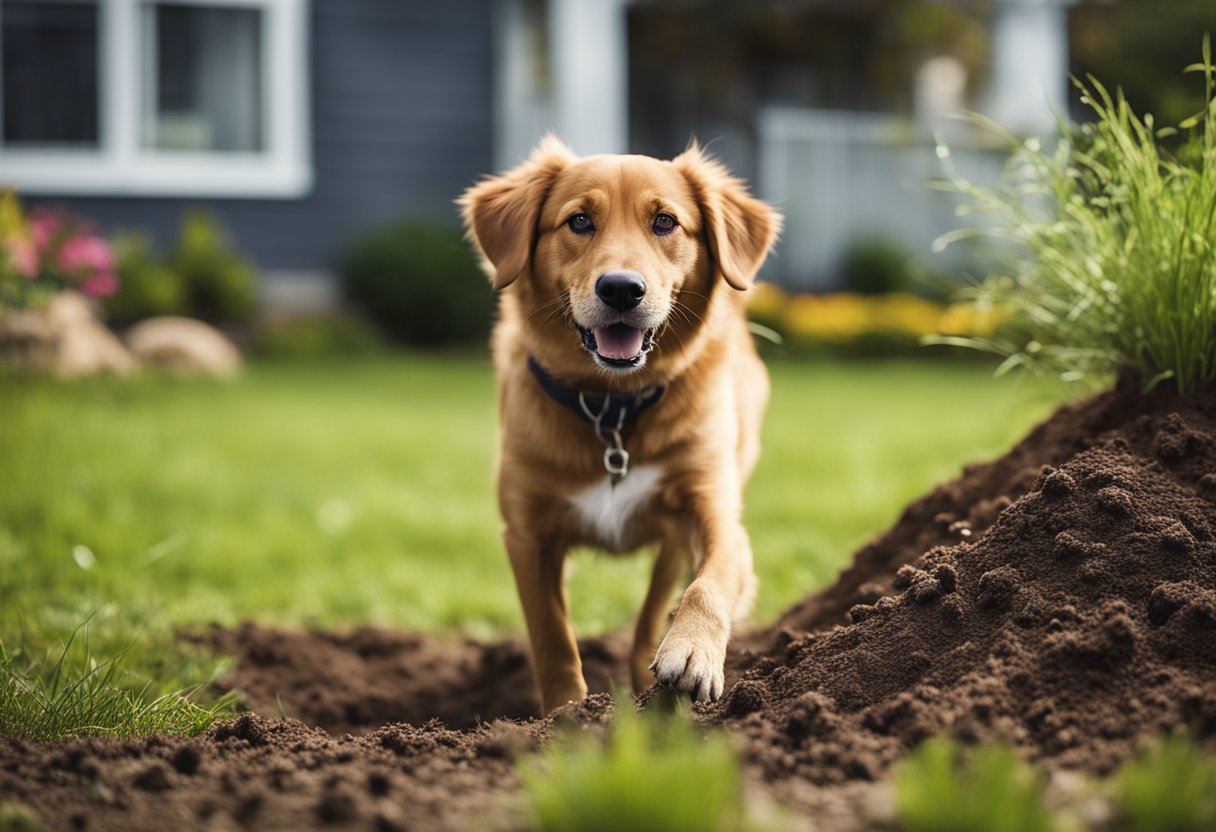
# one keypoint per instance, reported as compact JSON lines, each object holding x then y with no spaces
{"x":845,"y":321}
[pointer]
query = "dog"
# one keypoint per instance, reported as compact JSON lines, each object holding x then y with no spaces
{"x":630,"y":394}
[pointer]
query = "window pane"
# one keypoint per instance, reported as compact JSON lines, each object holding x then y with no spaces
{"x":203,"y":90}
{"x":49,"y":73}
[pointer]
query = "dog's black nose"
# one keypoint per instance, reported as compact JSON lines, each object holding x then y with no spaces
{"x":622,"y":290}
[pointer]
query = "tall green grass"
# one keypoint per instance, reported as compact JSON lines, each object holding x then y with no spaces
{"x":1114,"y":244}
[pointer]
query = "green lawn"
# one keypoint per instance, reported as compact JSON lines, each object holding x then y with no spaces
{"x":361,"y":491}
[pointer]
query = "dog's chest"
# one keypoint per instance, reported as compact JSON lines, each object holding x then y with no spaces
{"x":612,"y":515}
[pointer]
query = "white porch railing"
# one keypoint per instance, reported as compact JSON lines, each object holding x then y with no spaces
{"x":841,"y":176}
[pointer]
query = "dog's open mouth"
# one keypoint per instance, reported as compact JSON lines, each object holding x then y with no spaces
{"x":618,"y":345}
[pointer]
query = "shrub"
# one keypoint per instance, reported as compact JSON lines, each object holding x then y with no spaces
{"x":421,"y":283}
{"x":218,"y":282}
{"x":146,"y":286}
{"x":875,"y":265}
{"x":1115,"y":240}
{"x":48,"y":252}
{"x":316,"y":337}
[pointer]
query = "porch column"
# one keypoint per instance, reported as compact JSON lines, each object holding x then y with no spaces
{"x":589,"y":59}
{"x":1029,"y":65}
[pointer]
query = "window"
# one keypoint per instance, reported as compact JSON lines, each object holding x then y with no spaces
{"x":56,"y":108}
{"x":203,"y":67}
{"x":199,"y":98}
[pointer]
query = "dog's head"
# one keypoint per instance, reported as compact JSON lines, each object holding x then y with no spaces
{"x":620,"y":249}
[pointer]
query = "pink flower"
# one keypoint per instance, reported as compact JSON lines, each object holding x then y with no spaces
{"x":43,"y":228}
{"x":90,"y":254}
{"x":100,"y":285}
{"x":24,"y":255}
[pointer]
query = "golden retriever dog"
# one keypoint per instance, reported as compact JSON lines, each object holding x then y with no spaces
{"x":630,"y":394}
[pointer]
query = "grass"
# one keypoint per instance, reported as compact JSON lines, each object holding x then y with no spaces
{"x":942,"y":787}
{"x":79,"y":696}
{"x":1172,"y":788}
{"x":1113,"y":244}
{"x":946,"y":787}
{"x":361,"y":491}
{"x":653,"y":771}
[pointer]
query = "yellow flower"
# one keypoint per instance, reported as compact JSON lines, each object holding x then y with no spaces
{"x":969,"y":319}
{"x":767,"y":302}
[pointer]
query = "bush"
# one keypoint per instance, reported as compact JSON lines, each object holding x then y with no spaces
{"x":146,"y":286}
{"x":421,"y":283}
{"x":316,"y":337}
{"x":218,"y":282}
{"x":48,"y":252}
{"x":876,"y":265}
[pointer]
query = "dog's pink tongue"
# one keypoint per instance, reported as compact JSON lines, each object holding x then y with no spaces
{"x":618,"y":341}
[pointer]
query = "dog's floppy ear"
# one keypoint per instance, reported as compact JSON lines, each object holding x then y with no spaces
{"x":741,"y":229}
{"x":501,"y":212}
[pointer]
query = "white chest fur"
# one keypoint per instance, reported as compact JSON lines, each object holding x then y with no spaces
{"x":609,"y":513}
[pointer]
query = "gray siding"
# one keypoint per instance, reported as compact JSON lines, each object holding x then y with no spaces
{"x":402,"y":112}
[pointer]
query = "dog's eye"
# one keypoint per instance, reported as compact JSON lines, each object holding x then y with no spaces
{"x":664,"y":224}
{"x":580,"y":223}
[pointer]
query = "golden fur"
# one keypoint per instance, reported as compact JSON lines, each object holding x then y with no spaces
{"x":700,"y":441}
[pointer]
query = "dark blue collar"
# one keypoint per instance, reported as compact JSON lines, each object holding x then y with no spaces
{"x":609,"y":410}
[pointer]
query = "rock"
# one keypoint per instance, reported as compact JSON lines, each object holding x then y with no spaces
{"x":64,"y":338}
{"x":183,"y":346}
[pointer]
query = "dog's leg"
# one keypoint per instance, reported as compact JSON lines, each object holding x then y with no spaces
{"x":669,"y":563}
{"x":692,"y":657}
{"x":556,"y":666}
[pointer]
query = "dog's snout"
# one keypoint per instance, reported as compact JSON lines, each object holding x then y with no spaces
{"x":622,"y":290}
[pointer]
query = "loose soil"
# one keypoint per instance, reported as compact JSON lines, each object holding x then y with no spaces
{"x":1061,"y":598}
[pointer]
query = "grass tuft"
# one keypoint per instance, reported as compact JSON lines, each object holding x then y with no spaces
{"x":1114,"y":244}
{"x":1172,"y":787}
{"x":942,"y":788}
{"x":16,"y":817}
{"x":652,"y":772}
{"x":79,"y":694}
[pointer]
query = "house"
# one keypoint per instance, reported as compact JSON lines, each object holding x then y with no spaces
{"x":301,"y":123}
{"x":298,"y":123}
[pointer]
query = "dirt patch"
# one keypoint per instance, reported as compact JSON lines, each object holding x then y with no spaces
{"x":271,"y":773}
{"x":359,"y":681}
{"x":1067,"y":609}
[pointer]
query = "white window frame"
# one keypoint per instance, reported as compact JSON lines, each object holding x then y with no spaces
{"x":120,"y":166}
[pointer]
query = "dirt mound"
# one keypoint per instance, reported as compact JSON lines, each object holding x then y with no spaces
{"x":359,"y":681}
{"x":962,"y":509}
{"x":1080,"y":623}
{"x":261,"y":773}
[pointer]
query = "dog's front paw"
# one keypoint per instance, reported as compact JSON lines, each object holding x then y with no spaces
{"x":691,"y":665}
